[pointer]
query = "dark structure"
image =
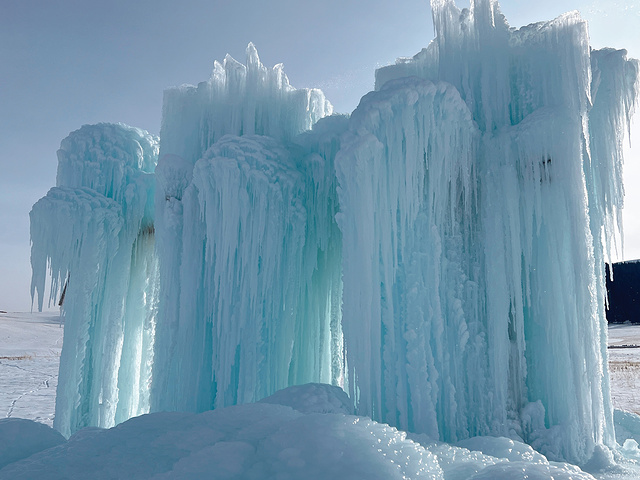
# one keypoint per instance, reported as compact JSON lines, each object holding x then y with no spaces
{"x":624,"y":292}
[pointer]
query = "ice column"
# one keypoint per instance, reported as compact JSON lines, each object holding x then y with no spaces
{"x":501,"y":329}
{"x":94,"y":232}
{"x":411,"y":304}
{"x":249,"y":248}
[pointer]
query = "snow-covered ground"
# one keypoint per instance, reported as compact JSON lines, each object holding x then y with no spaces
{"x":315,"y":438}
{"x":624,"y":366}
{"x":30,"y":345}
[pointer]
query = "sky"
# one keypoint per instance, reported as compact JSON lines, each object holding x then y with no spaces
{"x":68,"y":63}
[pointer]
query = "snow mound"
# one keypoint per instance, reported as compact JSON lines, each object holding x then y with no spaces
{"x":502,"y":447}
{"x":254,"y":441}
{"x":457,"y":463}
{"x":313,"y":398}
{"x":531,"y":471}
{"x":20,"y":438}
{"x":284,"y":436}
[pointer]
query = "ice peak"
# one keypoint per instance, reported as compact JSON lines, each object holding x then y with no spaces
{"x":232,"y":65}
{"x":253,"y":60}
{"x":238,"y":100}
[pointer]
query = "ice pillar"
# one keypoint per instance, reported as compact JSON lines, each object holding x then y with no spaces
{"x":506,"y":334}
{"x":94,"y":232}
{"x":250,"y":264}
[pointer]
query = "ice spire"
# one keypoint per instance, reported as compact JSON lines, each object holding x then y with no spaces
{"x":238,"y":100}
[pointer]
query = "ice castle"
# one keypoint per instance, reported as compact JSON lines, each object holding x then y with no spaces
{"x":439,"y":253}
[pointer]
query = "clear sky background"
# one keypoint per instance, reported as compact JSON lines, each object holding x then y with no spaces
{"x":67,"y":63}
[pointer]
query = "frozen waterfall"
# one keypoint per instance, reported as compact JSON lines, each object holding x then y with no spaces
{"x":439,"y":253}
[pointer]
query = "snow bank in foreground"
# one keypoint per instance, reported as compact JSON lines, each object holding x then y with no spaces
{"x":266,"y":440}
{"x":20,"y":438}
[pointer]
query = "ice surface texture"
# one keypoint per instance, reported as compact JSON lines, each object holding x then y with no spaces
{"x":438,"y":254}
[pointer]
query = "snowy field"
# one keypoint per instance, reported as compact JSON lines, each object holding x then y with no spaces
{"x":30,"y":345}
{"x":264,"y":440}
{"x":624,"y":366}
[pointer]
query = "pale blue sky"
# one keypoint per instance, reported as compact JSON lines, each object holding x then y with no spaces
{"x":72,"y":62}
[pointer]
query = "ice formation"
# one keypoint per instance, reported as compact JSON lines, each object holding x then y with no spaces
{"x":439,"y":253}
{"x":249,"y":286}
{"x":95,"y":233}
{"x":486,"y":211}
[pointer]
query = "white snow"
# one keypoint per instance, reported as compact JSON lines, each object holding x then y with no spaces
{"x":30,"y":346}
{"x":313,"y":398}
{"x":266,"y":441}
{"x":624,"y":366}
{"x":255,"y":441}
{"x":22,"y":438}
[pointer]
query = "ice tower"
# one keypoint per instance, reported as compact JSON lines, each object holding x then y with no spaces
{"x":250,"y":294}
{"x":487,"y":216}
{"x":95,"y":233}
{"x":439,"y":253}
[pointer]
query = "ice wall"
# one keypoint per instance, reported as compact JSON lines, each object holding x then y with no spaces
{"x":250,"y":270}
{"x":94,"y":233}
{"x":406,"y":187}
